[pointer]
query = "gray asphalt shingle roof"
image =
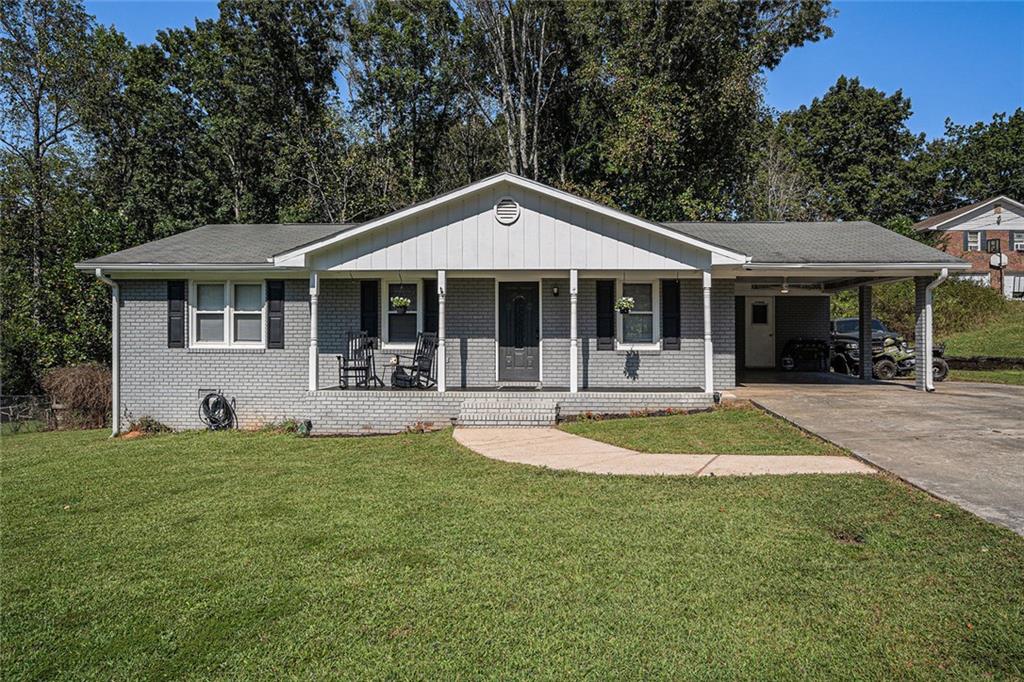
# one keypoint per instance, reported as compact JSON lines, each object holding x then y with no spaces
{"x":835,"y":242}
{"x":222,"y":244}
{"x":820,"y":242}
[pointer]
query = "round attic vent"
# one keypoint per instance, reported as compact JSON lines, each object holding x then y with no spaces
{"x":506,"y":211}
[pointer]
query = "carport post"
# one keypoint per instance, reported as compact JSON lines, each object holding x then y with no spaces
{"x":864,"y":313}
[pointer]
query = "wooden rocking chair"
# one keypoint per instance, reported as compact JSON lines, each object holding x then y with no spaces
{"x":417,"y":371}
{"x":359,"y":361}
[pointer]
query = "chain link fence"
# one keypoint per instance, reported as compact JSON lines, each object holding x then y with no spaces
{"x":26,"y":413}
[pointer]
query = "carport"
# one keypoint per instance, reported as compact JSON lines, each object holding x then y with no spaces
{"x":784,"y":291}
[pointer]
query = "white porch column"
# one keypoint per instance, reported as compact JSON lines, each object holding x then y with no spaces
{"x":441,"y":366}
{"x":709,"y":355}
{"x":314,"y":346}
{"x":574,"y":342}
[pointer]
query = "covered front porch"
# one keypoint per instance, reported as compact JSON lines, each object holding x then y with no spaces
{"x":552,"y":331}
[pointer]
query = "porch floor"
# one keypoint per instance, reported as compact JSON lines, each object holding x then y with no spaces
{"x":517,"y":389}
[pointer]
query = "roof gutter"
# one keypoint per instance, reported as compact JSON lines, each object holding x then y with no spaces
{"x":115,"y":352}
{"x":858,"y":266}
{"x":929,"y":378}
{"x":173,"y":267}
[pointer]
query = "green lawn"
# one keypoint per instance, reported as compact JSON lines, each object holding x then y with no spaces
{"x":1002,"y":338}
{"x":740,"y":430}
{"x":254,"y":555}
{"x":991,"y":376}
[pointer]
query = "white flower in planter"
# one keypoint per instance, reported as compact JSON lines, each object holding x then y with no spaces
{"x":625,"y":304}
{"x":400,"y":303}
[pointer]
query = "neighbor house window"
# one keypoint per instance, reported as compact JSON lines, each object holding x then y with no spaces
{"x":229,"y":314}
{"x":1018,"y":241}
{"x":974,"y":241}
{"x":402,"y":326}
{"x":638,"y":327}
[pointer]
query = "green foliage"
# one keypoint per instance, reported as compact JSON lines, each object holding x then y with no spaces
{"x":317,"y":110}
{"x":958,"y":306}
{"x":1012,"y":377}
{"x":1000,"y":336}
{"x":851,"y":145}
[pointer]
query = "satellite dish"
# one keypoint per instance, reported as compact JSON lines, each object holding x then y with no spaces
{"x":998,"y":260}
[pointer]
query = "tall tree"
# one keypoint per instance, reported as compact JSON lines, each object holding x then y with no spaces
{"x":256,"y":79}
{"x":407,"y":95}
{"x":666,"y":97}
{"x":44,"y":64}
{"x":520,"y":46}
{"x":971,"y":163}
{"x":853,"y":145}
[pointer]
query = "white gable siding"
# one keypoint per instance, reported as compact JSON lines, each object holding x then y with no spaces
{"x":550,"y":234}
{"x":986,"y":220}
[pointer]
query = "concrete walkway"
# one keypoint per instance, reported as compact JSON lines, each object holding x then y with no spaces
{"x":557,"y":449}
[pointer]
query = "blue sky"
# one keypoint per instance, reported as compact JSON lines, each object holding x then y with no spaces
{"x":963,"y":60}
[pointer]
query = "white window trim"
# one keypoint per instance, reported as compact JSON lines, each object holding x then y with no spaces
{"x":620,"y":344}
{"x":228,"y":312}
{"x":1018,"y":240}
{"x":970,"y":247}
{"x":385,"y":311}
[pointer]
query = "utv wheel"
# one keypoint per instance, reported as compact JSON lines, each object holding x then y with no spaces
{"x":885,"y":369}
{"x":839,"y":365}
{"x":940,"y":369}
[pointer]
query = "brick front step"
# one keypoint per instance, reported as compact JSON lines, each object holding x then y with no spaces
{"x":480,"y":412}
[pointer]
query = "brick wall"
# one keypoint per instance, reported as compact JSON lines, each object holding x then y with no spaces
{"x":167,"y":383}
{"x":797,"y":317}
{"x":271,"y":384}
{"x":952,"y":242}
{"x":469,"y":330}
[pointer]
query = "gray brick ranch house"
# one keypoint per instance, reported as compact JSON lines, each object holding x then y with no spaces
{"x":519,"y":283}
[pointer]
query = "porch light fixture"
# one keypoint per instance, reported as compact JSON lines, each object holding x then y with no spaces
{"x":785,"y":287}
{"x":554,"y":291}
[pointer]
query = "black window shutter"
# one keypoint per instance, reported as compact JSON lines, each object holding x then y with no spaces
{"x":981,"y":241}
{"x":965,"y":241}
{"x":430,"y":312}
{"x":606,"y":314}
{"x":275,"y":313}
{"x":369,"y":306}
{"x":670,"y":314}
{"x":176,"y":314}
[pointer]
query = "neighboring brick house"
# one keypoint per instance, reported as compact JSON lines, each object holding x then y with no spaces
{"x":966,"y":233}
{"x":521,"y":289}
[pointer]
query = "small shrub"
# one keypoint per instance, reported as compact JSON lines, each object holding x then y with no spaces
{"x":80,"y":395}
{"x":285,"y":426}
{"x":959,"y":305}
{"x":148,"y":425}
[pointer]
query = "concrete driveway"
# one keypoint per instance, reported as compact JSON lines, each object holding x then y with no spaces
{"x":963,"y":443}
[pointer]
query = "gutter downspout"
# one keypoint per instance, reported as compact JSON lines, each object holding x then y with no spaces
{"x":115,"y":348}
{"x":929,"y":380}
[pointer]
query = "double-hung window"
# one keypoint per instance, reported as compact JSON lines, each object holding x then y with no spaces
{"x":974,"y":241}
{"x":401,"y":326}
{"x":227,"y":314}
{"x":639,"y":327}
{"x":1018,"y":241}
